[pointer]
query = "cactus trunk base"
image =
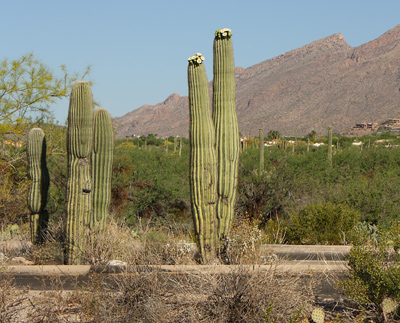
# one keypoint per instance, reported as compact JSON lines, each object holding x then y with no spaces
{"x":79,"y":207}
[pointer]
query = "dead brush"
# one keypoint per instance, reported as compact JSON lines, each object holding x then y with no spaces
{"x":257,"y":296}
{"x":242,"y":246}
{"x":15,"y":245}
{"x":133,"y":297}
{"x":241,"y":295}
{"x":51,"y":250}
{"x":51,"y":305}
{"x":10,"y":299}
{"x":114,"y":242}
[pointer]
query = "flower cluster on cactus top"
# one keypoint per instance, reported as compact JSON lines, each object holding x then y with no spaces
{"x":196,"y":59}
{"x":223,"y":33}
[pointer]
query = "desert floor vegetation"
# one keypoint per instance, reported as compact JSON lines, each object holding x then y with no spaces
{"x":298,"y":198}
{"x":146,"y":295}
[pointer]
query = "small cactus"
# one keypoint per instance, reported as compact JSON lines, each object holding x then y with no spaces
{"x":318,"y":315}
{"x":39,"y":174}
{"x":389,"y":305}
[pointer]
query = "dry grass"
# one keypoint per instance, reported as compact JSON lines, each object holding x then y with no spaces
{"x":152,"y":296}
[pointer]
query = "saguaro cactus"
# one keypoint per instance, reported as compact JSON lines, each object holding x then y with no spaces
{"x":79,"y":147}
{"x":203,"y":169}
{"x":330,"y":146}
{"x":175,"y":143}
{"x":226,"y":128}
{"x":102,"y":159}
{"x":39,"y":174}
{"x":180,"y":146}
{"x":261,"y":145}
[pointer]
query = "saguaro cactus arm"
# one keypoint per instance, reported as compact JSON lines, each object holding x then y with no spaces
{"x":102,"y":159}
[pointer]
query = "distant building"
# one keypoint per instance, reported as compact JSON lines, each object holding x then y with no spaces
{"x":370,"y":125}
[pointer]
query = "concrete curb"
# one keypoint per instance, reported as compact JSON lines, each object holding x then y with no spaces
{"x":282,"y":258}
{"x":296,"y":266}
{"x":306,"y":252}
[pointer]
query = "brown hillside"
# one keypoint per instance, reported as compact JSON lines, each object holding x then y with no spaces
{"x":325,"y":83}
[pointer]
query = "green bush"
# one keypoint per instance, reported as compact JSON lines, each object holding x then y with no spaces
{"x":374,"y":262}
{"x":322,"y":223}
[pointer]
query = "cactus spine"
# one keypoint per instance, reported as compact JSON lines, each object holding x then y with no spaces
{"x":261,"y":145}
{"x":102,"y":158}
{"x":39,"y":174}
{"x":330,"y":146}
{"x":203,"y":168}
{"x":226,"y":128}
{"x":79,"y":147}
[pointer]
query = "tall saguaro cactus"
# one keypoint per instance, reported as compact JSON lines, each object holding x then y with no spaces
{"x":226,"y":128}
{"x":79,"y":147}
{"x":39,"y":174}
{"x":261,"y":147}
{"x":203,"y":169}
{"x":102,"y":159}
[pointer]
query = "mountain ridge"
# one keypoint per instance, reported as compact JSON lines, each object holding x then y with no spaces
{"x":324,"y":83}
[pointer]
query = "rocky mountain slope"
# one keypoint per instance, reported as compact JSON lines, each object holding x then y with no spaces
{"x":325,"y":83}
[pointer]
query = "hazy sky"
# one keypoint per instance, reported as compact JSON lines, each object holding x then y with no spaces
{"x":139,"y":49}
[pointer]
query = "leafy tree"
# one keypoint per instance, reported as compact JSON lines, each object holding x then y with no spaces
{"x":273,"y":134}
{"x":311,"y":134}
{"x":152,"y":139}
{"x":28,"y":88}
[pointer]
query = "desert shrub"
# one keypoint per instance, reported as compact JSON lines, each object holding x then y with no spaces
{"x":149,"y":183}
{"x":242,"y":246}
{"x":374,"y":273}
{"x":322,"y":223}
{"x":115,"y":242}
{"x":275,"y":230}
{"x":15,"y":241}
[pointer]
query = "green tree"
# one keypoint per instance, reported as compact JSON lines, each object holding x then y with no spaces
{"x":28,"y":87}
{"x":273,"y":134}
{"x":312,"y":134}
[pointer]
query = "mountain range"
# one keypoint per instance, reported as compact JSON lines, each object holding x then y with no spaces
{"x":324,"y":83}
